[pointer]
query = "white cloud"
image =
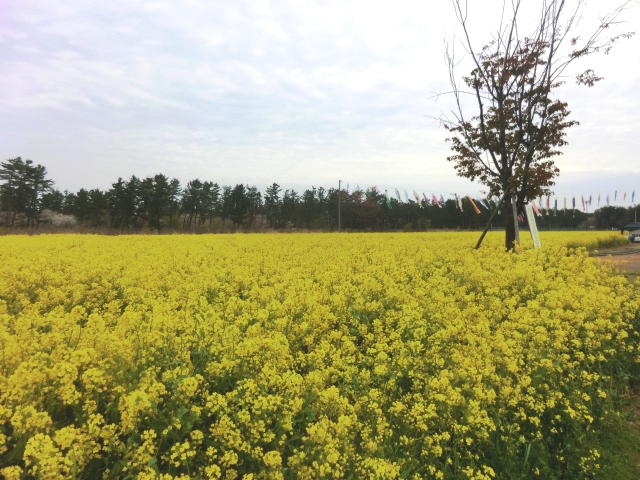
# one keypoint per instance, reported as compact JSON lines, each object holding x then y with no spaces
{"x":266,"y":90}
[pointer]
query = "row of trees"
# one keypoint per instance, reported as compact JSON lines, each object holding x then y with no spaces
{"x":612,"y":218}
{"x":162,"y":204}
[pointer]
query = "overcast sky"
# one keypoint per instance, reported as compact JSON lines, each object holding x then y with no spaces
{"x":288,"y":91}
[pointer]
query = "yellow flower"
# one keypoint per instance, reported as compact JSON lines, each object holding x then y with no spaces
{"x":328,"y":355}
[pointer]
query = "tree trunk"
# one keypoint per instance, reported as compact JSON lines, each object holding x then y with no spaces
{"x":509,"y":223}
{"x":9,"y":214}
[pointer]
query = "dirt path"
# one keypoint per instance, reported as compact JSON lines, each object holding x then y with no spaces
{"x":626,"y":258}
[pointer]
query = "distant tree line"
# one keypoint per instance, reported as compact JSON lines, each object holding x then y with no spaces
{"x":612,"y":218}
{"x":163,"y":204}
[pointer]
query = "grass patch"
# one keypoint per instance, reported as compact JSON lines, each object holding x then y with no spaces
{"x":620,"y":443}
{"x":600,"y":243}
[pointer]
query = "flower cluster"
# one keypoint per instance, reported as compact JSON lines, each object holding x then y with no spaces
{"x":307,"y":356}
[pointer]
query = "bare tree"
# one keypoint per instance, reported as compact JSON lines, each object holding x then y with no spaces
{"x":507,"y":135}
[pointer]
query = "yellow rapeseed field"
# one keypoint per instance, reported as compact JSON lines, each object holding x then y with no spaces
{"x":308,"y":356}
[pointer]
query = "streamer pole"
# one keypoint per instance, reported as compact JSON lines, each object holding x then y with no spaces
{"x":339,"y":198}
